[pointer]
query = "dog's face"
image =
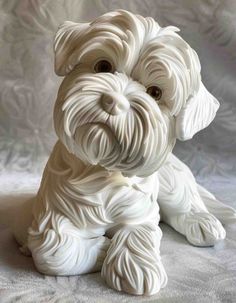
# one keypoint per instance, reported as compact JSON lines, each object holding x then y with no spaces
{"x":130,"y":89}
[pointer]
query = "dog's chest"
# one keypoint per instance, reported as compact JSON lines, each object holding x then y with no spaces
{"x":106,"y":201}
{"x":91,"y":196}
{"x":120,"y":200}
{"x":132,"y":201}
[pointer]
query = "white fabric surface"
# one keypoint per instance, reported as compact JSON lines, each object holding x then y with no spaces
{"x":28,"y":88}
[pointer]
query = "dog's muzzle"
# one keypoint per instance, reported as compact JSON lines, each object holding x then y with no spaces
{"x":110,"y":120}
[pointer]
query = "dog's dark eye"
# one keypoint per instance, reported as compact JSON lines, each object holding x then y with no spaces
{"x":155,"y":92}
{"x":103,"y":66}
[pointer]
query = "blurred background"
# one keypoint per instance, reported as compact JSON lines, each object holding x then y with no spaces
{"x":28,"y":85}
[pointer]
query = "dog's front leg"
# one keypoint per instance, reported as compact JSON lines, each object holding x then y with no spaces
{"x":183,"y":208}
{"x":133,"y":262}
{"x":62,"y":249}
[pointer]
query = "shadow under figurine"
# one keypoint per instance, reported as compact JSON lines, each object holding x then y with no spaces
{"x":131,"y":88}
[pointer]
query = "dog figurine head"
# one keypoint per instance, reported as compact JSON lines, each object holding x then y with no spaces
{"x":131,"y":88}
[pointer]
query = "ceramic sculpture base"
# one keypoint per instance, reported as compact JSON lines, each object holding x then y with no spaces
{"x":131,"y":89}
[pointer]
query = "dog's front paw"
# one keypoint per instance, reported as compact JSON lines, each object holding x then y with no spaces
{"x":203,"y":229}
{"x":133,"y":263}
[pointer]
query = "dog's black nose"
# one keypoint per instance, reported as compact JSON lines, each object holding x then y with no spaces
{"x":114,"y":103}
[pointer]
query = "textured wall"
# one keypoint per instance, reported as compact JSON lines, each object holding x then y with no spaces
{"x":28,"y":85}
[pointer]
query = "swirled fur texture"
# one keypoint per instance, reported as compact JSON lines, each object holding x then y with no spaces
{"x":112,"y":169}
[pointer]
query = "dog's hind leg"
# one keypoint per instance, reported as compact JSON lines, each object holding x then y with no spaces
{"x":182,"y":205}
{"x":222,"y":212}
{"x":60,"y":248}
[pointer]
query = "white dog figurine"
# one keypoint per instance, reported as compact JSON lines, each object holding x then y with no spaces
{"x":131,"y":88}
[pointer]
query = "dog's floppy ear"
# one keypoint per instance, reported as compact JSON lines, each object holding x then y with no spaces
{"x":67,"y":41}
{"x":198,"y":112}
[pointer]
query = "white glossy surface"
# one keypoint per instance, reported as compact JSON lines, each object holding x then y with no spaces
{"x":79,"y":201}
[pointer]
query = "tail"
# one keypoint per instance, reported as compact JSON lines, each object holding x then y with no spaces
{"x":225,"y":214}
{"x":16,"y":213}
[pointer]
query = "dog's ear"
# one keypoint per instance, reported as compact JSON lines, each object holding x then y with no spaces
{"x":67,"y":40}
{"x":198,"y":112}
